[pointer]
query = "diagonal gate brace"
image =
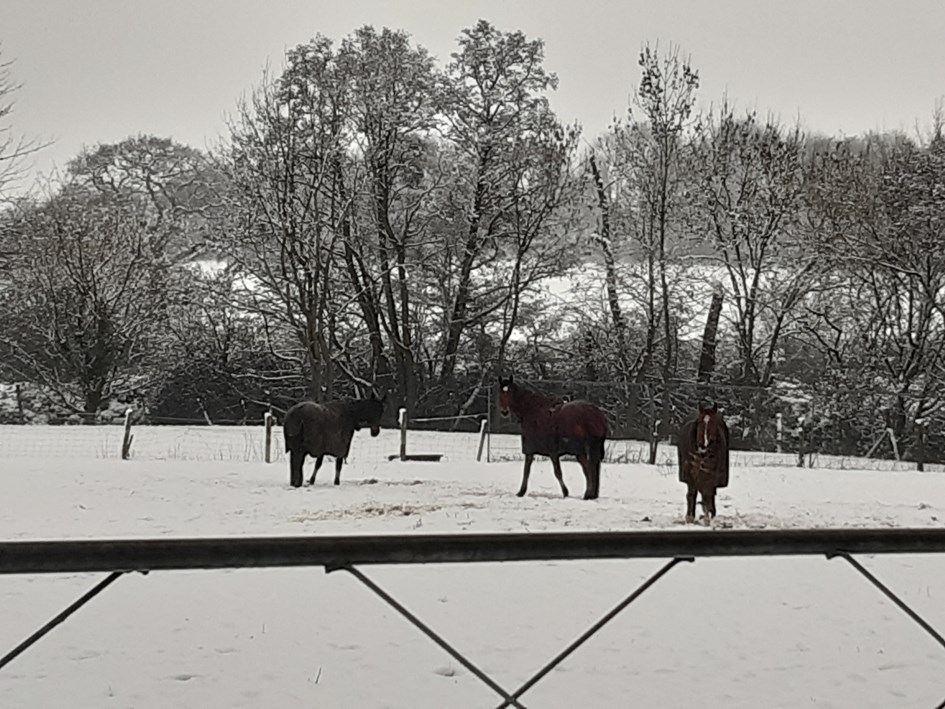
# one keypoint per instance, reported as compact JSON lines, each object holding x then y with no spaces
{"x":560,"y":657}
{"x":429,"y":632}
{"x":903,"y":606}
{"x":81,"y":601}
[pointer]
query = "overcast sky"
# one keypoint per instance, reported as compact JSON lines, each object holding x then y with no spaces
{"x":97,"y":71}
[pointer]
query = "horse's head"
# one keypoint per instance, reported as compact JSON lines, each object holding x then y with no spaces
{"x":710,"y":429}
{"x":370,"y":412}
{"x":507,"y":389}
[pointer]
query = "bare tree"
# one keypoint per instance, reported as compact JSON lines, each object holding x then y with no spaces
{"x":393,"y":97}
{"x":884,"y":208}
{"x":14,"y":149}
{"x":749,"y":197}
{"x":643,"y":199}
{"x":496,"y":109}
{"x":174,"y":186}
{"x":85,"y":299}
{"x":288,"y":207}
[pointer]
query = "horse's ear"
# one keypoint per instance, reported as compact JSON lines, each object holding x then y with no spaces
{"x":715,"y":407}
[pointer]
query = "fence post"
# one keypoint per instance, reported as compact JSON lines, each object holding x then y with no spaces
{"x":483,"y":425}
{"x":801,"y":441}
{"x":489,"y":404}
{"x":267,"y":419}
{"x":778,"y":424}
{"x":402,"y":420}
{"x":920,"y":445}
{"x":128,"y":437}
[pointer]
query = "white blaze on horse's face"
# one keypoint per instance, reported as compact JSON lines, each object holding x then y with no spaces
{"x":705,"y":432}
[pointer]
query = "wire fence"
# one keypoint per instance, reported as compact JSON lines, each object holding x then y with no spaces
{"x":237,"y":443}
{"x":769,"y":429}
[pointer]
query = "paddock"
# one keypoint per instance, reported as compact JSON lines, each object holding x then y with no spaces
{"x":782,"y":632}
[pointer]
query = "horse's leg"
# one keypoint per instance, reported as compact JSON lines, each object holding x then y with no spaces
{"x":705,"y":499}
{"x":296,"y":459}
{"x":691,"y":503}
{"x":710,"y":502}
{"x":594,"y":461}
{"x":529,"y":457}
{"x":587,"y":465}
{"x":556,"y":464}
{"x":318,"y":464}
{"x":339,"y":461}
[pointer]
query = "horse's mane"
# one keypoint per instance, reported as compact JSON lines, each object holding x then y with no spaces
{"x":533,"y":400}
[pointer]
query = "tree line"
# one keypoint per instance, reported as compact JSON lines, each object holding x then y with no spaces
{"x":374,"y":219}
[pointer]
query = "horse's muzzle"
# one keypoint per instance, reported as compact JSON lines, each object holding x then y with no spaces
{"x":504,"y":412}
{"x":375,"y":431}
{"x":702,"y":450}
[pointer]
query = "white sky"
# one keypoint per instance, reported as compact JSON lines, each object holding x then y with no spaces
{"x":100,"y":70}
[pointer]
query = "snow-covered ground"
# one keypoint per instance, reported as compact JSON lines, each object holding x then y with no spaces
{"x":759,"y":632}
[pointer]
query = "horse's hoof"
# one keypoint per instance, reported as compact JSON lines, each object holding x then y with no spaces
{"x":690,"y":519}
{"x":564,"y":493}
{"x":520,"y":493}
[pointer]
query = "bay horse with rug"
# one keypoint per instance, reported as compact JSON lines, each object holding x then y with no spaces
{"x":553,"y":428}
{"x":327,"y":429}
{"x":702,"y":446}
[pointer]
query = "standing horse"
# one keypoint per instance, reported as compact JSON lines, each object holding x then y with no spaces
{"x":702,"y":448}
{"x":327,"y":429}
{"x":552,"y":428}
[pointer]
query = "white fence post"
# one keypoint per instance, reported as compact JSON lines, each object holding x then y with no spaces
{"x":482,"y":437}
{"x":402,"y":420}
{"x":778,"y":426}
{"x":267,"y":420}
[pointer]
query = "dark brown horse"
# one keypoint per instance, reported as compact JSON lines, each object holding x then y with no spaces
{"x":327,"y":429}
{"x":553,"y":428}
{"x":702,"y":447}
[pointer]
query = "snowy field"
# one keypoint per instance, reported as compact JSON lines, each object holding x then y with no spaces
{"x":734,"y":633}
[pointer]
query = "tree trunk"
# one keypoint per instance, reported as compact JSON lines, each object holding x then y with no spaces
{"x":709,"y":339}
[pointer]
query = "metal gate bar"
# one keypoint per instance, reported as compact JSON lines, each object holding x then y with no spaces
{"x":891,"y":596}
{"x":73,"y":556}
{"x":430,"y":633}
{"x":593,"y":630}
{"x":895,"y":599}
{"x":343,"y":552}
{"x":81,"y":601}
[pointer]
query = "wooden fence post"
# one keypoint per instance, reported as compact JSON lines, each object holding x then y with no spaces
{"x":779,"y":428}
{"x":801,"y":441}
{"x":402,"y":420}
{"x":267,"y":420}
{"x":128,"y":437}
{"x":920,"y":444}
{"x":483,"y":426}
